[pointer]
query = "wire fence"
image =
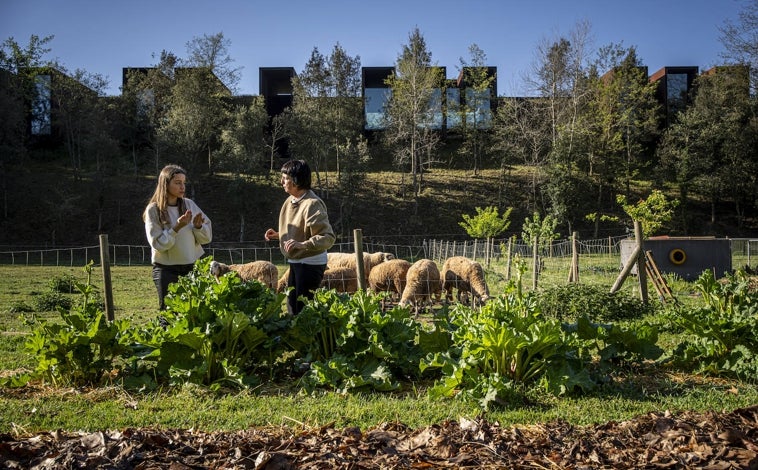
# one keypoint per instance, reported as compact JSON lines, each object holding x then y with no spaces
{"x":744,"y":252}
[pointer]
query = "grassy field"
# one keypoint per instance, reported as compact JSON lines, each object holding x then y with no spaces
{"x":38,"y":407}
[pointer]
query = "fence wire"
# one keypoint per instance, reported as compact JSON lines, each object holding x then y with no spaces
{"x":556,"y":255}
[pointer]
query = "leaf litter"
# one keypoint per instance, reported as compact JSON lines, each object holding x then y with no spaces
{"x":710,"y":440}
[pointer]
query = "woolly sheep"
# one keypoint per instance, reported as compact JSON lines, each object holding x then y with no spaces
{"x":422,"y":283}
{"x":389,"y":276}
{"x":370,"y":260}
{"x":283,"y":282}
{"x":263,"y":271}
{"x":341,"y":279}
{"x":465,"y":275}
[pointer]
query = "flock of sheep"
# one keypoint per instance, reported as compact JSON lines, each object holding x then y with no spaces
{"x":414,"y":284}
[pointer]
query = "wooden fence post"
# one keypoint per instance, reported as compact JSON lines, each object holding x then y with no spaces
{"x":535,"y":263}
{"x":360,"y":269}
{"x":574,"y":269}
{"x":107,"y":287}
{"x":641,"y":272}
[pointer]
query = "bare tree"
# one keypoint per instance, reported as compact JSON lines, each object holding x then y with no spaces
{"x":213,"y":52}
{"x":741,"y":40}
{"x":475,"y":114}
{"x":412,"y":106}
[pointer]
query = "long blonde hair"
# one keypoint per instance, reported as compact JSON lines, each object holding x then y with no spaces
{"x":160,"y":196}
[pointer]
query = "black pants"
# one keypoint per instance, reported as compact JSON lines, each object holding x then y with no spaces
{"x":164,"y":274}
{"x":305,"y":278}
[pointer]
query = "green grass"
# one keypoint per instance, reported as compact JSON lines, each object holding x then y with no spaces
{"x":38,"y":408}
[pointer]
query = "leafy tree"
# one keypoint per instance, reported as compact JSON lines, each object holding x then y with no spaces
{"x":243,"y":148}
{"x":212,"y":52}
{"x":83,"y":118}
{"x":624,"y":112}
{"x":146,"y":98}
{"x":741,"y":40}
{"x":410,"y":112}
{"x":326,"y":110}
{"x":351,"y":182}
{"x":243,"y":153}
{"x":17,"y":64}
{"x":543,"y":230}
{"x":487,"y":223}
{"x":652,"y":213}
{"x":620,"y":123}
{"x":196,"y":112}
{"x":710,"y":150}
{"x":476,"y":120}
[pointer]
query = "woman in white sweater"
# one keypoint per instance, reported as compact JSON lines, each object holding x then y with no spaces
{"x":176,"y":228}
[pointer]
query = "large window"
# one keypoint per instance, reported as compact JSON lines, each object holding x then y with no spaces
{"x":478,"y":111}
{"x":375,"y":101}
{"x":434,"y":113}
{"x":453,"y":106}
{"x":41,"y":109}
{"x":676,"y":92}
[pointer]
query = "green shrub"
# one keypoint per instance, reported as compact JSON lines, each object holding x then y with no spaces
{"x":719,"y":336}
{"x":20,"y":307}
{"x":572,"y":301}
{"x":65,"y":284}
{"x":51,"y":301}
{"x":79,"y":350}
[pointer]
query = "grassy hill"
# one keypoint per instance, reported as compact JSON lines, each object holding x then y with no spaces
{"x":45,"y":204}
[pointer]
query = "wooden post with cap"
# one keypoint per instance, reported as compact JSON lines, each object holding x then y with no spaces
{"x":360,"y":269}
{"x":107,"y":287}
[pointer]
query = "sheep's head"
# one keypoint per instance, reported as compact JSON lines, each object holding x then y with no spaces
{"x":218,"y":269}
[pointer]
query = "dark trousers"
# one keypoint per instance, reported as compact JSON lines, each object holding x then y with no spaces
{"x":164,"y":274}
{"x":304,"y":278}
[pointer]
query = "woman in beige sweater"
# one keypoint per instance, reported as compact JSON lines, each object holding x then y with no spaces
{"x":175,"y":228}
{"x":304,"y":233}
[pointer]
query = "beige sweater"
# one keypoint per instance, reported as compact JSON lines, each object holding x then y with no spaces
{"x":305,"y":221}
{"x":169,"y":247}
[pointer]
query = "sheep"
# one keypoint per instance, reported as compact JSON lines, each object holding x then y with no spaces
{"x":389,"y":276}
{"x":283,"y":282}
{"x":263,"y":271}
{"x":465,"y":275}
{"x":422,"y":283}
{"x":341,"y":279}
{"x":370,"y":260}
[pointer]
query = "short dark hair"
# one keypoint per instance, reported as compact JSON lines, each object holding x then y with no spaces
{"x":299,"y":172}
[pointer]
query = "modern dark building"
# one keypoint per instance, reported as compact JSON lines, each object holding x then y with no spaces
{"x":479,"y":104}
{"x":376,"y":94}
{"x":674,"y":89}
{"x":275,"y":85}
{"x":51,"y":87}
{"x":454,"y":100}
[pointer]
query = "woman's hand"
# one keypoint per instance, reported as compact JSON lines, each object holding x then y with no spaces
{"x":184,"y":220}
{"x":291,"y":245}
{"x":271,"y":234}
{"x":198,"y":220}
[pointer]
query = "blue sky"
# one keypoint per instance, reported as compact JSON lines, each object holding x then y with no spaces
{"x":103,"y":36}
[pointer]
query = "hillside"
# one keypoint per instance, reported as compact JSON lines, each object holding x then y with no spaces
{"x":44,"y":205}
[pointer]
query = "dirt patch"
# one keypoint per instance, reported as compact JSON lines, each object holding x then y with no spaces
{"x":657,"y":440}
